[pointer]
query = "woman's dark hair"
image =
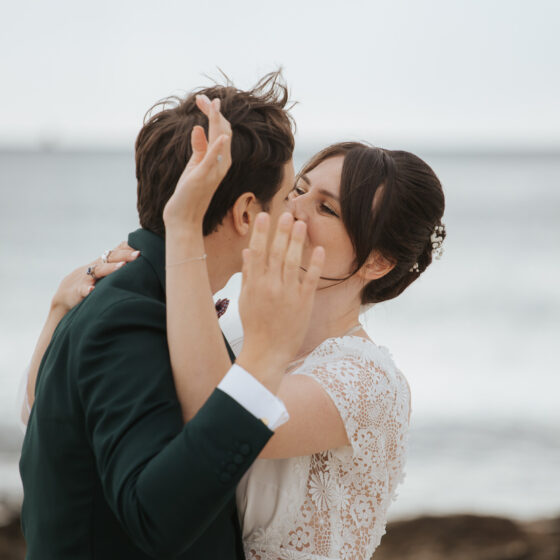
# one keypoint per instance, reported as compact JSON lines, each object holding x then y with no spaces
{"x":262,"y":143}
{"x":391,"y":201}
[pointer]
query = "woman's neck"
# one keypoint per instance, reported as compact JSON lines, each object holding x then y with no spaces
{"x":335,"y":311}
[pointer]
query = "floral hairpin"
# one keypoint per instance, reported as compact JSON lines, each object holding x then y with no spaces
{"x":436,"y":239}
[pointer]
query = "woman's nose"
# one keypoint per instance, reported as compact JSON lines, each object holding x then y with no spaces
{"x":295,"y":206}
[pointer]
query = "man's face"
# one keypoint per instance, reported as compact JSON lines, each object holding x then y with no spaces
{"x":279,"y":203}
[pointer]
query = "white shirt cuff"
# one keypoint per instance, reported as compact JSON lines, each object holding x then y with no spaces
{"x":252,"y":395}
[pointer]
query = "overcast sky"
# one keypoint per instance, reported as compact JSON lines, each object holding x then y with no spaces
{"x":439,"y":72}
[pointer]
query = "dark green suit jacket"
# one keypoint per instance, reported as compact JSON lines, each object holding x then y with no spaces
{"x":109,"y":470}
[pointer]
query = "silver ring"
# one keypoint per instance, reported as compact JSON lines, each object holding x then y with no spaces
{"x":91,"y":272}
{"x":105,"y":256}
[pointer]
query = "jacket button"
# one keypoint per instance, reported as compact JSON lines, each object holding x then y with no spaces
{"x":245,"y":449}
{"x":238,"y":459}
{"x":225,"y":477}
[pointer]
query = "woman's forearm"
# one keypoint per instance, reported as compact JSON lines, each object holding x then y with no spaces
{"x":72,"y":290}
{"x":199,"y":358}
{"x":55,"y":315}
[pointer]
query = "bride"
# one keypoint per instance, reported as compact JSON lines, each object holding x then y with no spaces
{"x":322,"y":486}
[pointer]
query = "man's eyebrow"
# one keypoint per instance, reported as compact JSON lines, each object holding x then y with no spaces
{"x":324,"y":192}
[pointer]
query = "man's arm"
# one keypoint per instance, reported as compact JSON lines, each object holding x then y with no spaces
{"x":165,"y":482}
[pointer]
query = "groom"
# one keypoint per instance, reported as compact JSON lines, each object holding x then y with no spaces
{"x":109,"y":469}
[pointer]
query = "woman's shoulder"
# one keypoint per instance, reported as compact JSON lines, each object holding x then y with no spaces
{"x":360,"y":352}
{"x":358,"y":366}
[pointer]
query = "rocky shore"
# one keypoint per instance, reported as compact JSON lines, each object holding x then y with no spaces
{"x":12,"y":545}
{"x":470,"y":537}
{"x":452,"y":537}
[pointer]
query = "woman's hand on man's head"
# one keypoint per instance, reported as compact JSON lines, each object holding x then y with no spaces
{"x":205,"y":170}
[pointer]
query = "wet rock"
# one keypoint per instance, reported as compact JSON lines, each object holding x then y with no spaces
{"x":12,"y":545}
{"x":470,"y":537}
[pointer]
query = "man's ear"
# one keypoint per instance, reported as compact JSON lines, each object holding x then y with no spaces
{"x":243,"y":213}
{"x":376,"y":267}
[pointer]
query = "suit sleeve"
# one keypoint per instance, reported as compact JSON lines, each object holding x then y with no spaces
{"x":165,"y":481}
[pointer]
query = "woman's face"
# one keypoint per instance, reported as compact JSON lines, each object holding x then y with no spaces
{"x":315,"y":200}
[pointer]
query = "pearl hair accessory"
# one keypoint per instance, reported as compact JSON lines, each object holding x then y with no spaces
{"x":436,"y":239}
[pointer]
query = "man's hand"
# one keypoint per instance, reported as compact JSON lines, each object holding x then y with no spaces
{"x":276,"y":298}
{"x":205,"y":170}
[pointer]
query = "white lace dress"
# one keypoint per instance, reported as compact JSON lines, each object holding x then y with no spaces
{"x":334,"y":504}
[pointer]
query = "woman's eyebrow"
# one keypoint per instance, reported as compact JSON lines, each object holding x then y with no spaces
{"x":324,"y":192}
{"x":329,"y":194}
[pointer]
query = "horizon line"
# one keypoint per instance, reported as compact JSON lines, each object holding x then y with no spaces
{"x":428,"y":148}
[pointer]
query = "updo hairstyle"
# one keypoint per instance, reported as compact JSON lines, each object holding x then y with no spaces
{"x":391,"y":201}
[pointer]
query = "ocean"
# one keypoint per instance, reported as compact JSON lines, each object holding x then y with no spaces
{"x":476,"y":335}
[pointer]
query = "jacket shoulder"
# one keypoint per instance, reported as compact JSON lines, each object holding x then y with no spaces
{"x":135,"y":283}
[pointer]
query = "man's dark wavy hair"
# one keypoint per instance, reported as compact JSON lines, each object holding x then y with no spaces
{"x":262,"y":143}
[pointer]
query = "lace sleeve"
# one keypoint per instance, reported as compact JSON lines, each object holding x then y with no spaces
{"x":373,"y":400}
{"x":368,"y":396}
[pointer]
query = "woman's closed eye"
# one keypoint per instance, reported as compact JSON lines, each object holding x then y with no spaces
{"x":328,"y":210}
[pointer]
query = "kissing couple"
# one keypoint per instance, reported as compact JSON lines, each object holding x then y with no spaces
{"x":146,"y":436}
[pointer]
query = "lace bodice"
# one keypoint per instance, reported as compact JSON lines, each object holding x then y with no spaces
{"x":334,"y":504}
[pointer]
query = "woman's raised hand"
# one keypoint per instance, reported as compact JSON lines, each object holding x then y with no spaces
{"x":208,"y":165}
{"x":276,"y":297}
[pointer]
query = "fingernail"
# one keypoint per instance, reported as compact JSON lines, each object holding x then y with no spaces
{"x":118,"y":265}
{"x":135,"y":254}
{"x":91,"y":288}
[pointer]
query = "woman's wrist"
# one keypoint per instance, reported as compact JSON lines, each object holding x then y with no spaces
{"x":182,"y":242}
{"x":187,"y":231}
{"x":57,"y":310}
{"x":266,"y":367}
{"x":184,"y":222}
{"x":183,"y":245}
{"x":184,"y":234}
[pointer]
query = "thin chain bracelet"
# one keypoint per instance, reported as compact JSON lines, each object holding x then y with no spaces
{"x":187,"y":260}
